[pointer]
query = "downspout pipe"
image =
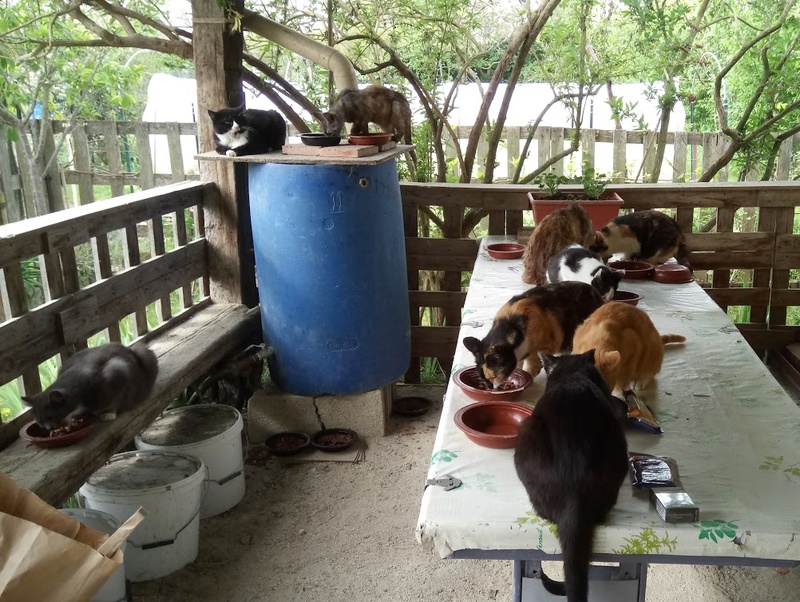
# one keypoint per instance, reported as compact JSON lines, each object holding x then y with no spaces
{"x":344,"y":75}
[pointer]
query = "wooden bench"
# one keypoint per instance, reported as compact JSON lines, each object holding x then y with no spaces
{"x":165,"y":273}
{"x":185,"y":353}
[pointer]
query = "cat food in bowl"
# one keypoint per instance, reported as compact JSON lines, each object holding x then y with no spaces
{"x":505,"y":250}
{"x":475,"y":388}
{"x":287,"y":444}
{"x":319,"y":139}
{"x":333,"y":440}
{"x":672,"y":273}
{"x":376,"y":139}
{"x":634,"y":270}
{"x":627,"y":297}
{"x":493,"y":424}
{"x":77,"y":428}
{"x":411,"y":406}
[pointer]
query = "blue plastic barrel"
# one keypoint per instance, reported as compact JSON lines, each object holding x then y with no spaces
{"x":331,"y":269}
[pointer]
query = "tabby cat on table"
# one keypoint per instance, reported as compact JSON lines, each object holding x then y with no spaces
{"x":572,"y":458}
{"x":628,"y":331}
{"x":100,"y":380}
{"x":542,"y":319}
{"x":651,"y":236}
{"x":239,"y":131}
{"x":563,"y":227}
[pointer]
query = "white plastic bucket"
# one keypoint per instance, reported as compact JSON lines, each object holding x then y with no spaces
{"x":213,"y":433}
{"x":114,"y":589}
{"x":169,"y":487}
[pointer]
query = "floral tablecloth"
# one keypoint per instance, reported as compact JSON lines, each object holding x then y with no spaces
{"x":733,"y":430}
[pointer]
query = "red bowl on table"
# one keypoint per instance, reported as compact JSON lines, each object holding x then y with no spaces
{"x":672,"y":273}
{"x":475,"y":388}
{"x":634,"y":270}
{"x":493,"y":424}
{"x":505,"y":250}
{"x":378,"y":139}
{"x":627,"y":297}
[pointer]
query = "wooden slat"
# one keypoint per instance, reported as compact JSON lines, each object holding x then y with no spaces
{"x":434,"y":341}
{"x":785,"y":297}
{"x":679,"y":159}
{"x":588,"y":137}
{"x":437,"y":299}
{"x":145,"y":158}
{"x":728,"y":261}
{"x":739,"y":296}
{"x":175,"y":152}
{"x":113,"y":157}
{"x":32,"y":337}
{"x":731,"y":241}
{"x":71,"y":227}
{"x":180,"y":240}
{"x":619,"y":161}
{"x":784,"y":225}
{"x":155,"y":232}
{"x":411,"y":230}
{"x":83,"y":165}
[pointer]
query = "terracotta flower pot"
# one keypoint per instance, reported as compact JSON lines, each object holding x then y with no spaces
{"x":601,"y":211}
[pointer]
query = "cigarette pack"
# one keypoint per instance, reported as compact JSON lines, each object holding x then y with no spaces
{"x":674,"y":505}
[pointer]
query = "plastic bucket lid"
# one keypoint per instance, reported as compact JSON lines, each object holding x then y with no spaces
{"x":190,"y":424}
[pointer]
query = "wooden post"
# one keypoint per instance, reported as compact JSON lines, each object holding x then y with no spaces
{"x":218,"y":70}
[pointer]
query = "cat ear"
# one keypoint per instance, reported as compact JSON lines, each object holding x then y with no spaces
{"x":57,"y":397}
{"x":589,"y":355}
{"x":548,"y":361}
{"x":27,"y":400}
{"x":212,"y":114}
{"x":472,"y":344}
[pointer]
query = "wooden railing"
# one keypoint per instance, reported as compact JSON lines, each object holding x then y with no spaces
{"x":768,"y":252}
{"x":123,"y":269}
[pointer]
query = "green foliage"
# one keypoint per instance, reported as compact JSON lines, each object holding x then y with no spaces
{"x":594,"y":184}
{"x":550,"y":183}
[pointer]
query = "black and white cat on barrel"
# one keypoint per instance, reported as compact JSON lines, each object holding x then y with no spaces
{"x":239,"y":131}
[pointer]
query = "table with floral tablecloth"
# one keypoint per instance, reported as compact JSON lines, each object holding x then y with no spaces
{"x":730,"y":426}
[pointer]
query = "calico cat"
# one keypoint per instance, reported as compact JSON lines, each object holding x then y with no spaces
{"x":240,"y":131}
{"x":627,"y":329}
{"x":582,"y":265}
{"x":99,"y":380}
{"x":543,"y":318}
{"x":565,"y":226}
{"x":387,"y":109}
{"x":572,"y":458}
{"x":650,"y":236}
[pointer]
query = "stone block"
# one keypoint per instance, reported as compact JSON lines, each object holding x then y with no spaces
{"x":271,"y":410}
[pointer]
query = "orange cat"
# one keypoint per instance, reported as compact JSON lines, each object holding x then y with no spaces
{"x":563,"y":227}
{"x":621,"y":327}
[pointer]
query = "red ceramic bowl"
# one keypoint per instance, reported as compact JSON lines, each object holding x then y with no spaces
{"x":376,"y":139}
{"x":672,"y":273}
{"x":493,"y":424}
{"x":505,"y":250}
{"x":627,"y":297}
{"x":40,"y":437}
{"x":634,"y":270}
{"x":469,"y":382}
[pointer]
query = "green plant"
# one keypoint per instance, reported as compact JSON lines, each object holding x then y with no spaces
{"x":593,"y":183}
{"x":550,"y":183}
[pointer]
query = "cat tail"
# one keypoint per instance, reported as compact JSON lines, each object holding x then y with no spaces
{"x":576,"y":535}
{"x":672,"y":338}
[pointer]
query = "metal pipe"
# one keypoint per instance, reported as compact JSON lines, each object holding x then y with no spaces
{"x":344,"y":74}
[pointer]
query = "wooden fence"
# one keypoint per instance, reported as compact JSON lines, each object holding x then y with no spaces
{"x":126,"y":156}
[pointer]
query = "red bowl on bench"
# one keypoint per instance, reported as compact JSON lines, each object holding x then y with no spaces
{"x":40,"y":437}
{"x":493,"y":424}
{"x":474,"y":387}
{"x":505,"y":250}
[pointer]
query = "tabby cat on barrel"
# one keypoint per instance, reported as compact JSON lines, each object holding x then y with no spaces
{"x":542,"y":319}
{"x":387,"y":109}
{"x":100,"y":380}
{"x":572,"y":457}
{"x":563,"y":227}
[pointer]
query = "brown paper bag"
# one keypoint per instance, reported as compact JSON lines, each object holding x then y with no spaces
{"x":49,"y":556}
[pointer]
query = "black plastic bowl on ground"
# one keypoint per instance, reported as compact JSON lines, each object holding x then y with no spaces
{"x":411,"y":406}
{"x":333,"y":440}
{"x":287,"y":444}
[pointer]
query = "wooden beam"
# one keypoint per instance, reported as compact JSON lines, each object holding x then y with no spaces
{"x":218,"y":47}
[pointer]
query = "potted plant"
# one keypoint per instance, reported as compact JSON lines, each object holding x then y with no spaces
{"x":601,"y":204}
